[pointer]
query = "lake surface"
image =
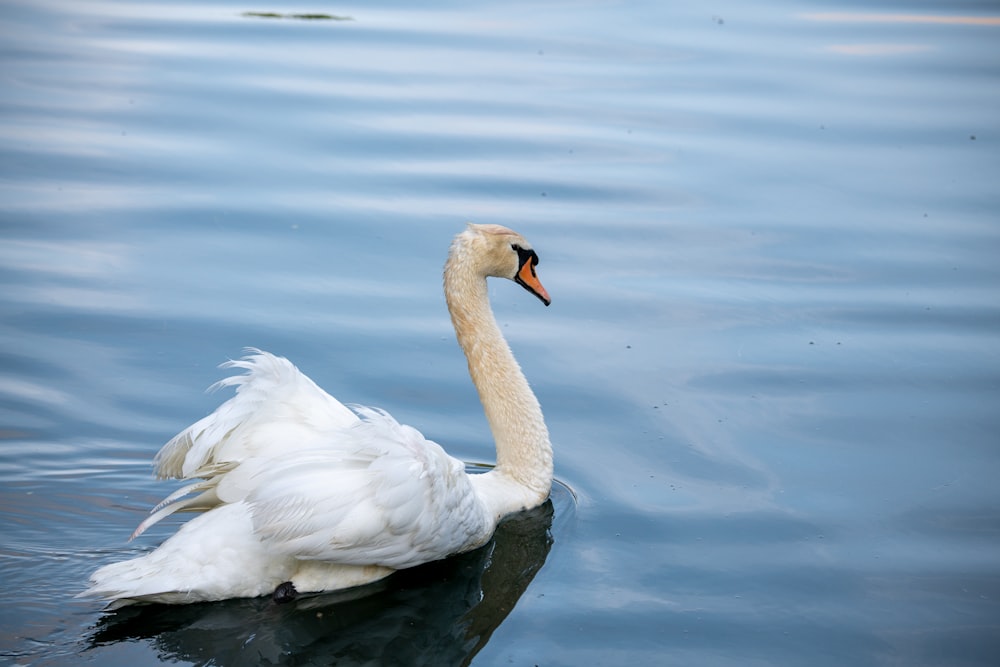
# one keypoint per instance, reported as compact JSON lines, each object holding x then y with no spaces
{"x":771,"y":369}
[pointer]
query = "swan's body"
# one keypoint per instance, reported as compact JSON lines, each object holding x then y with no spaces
{"x":295,"y":487}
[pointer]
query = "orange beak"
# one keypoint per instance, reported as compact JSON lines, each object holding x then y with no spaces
{"x":528,"y":280}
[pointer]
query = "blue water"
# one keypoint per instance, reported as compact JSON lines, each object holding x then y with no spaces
{"x":771,"y":369}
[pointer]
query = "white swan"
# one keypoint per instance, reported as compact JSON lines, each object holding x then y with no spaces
{"x":300,"y":494}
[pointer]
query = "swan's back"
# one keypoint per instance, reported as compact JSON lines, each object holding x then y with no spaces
{"x":325,"y":499}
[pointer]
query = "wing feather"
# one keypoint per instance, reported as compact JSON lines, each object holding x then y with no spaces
{"x":388,"y":503}
{"x":276,"y":407}
{"x":276,"y":411}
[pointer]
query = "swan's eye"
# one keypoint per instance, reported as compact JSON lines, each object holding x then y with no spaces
{"x":525,"y":256}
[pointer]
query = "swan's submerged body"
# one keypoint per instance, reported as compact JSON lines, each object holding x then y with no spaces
{"x":295,"y":487}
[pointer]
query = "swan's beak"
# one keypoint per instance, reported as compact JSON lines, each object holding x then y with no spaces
{"x":527,"y":279}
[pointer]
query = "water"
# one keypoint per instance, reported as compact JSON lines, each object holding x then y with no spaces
{"x":771,"y":367}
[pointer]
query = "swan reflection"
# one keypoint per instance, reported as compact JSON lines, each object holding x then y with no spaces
{"x":441,"y":613}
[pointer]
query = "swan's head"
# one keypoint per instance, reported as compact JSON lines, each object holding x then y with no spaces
{"x":502,"y":253}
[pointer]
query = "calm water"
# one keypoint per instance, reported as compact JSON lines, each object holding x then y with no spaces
{"x":771,"y":368}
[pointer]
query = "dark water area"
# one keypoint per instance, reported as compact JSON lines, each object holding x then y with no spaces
{"x":771,"y":369}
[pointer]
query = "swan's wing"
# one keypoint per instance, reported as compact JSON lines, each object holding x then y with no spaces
{"x":276,"y":409}
{"x":384,"y":496}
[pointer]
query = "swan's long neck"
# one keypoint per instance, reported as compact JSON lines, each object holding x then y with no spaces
{"x":524,"y":454}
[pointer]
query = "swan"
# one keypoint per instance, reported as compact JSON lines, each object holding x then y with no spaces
{"x":298,"y":493}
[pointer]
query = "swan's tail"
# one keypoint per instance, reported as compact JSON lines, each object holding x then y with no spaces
{"x":212,"y":557}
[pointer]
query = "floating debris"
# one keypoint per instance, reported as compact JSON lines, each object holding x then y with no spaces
{"x":301,"y":17}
